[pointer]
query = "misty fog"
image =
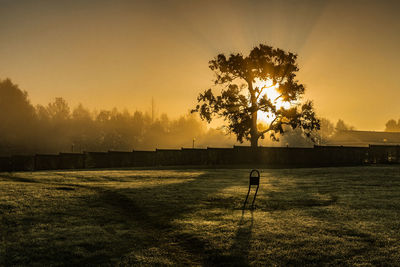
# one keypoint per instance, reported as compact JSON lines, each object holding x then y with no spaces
{"x":56,"y":127}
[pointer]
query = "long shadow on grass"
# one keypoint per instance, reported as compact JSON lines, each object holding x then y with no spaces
{"x":241,"y":244}
{"x":156,"y":208}
{"x":240,"y":248}
{"x":13,"y":178}
{"x":152,"y":209}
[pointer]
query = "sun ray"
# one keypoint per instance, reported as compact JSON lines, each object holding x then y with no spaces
{"x":270,"y":91}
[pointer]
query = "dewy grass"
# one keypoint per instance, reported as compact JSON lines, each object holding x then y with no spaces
{"x":338,"y":216}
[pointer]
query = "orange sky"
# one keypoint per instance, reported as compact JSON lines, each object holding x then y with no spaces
{"x":123,"y":53}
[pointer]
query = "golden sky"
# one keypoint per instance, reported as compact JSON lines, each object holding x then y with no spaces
{"x":107,"y":54}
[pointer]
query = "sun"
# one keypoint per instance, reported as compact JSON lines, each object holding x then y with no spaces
{"x":270,"y":90}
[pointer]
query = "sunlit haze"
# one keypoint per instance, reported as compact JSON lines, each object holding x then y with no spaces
{"x":107,"y":54}
{"x":269,"y":90}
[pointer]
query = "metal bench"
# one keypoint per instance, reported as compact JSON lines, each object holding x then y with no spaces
{"x":254,"y":180}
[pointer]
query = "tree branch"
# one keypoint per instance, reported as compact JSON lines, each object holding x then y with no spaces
{"x":262,"y":89}
{"x":270,"y":127}
{"x":278,"y":97}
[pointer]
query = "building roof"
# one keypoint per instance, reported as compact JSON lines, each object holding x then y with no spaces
{"x":364,"y":138}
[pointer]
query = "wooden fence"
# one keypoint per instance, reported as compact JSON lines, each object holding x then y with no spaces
{"x":317,"y":156}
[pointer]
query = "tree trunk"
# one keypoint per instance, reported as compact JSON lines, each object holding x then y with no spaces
{"x":254,"y":141}
{"x":253,"y":130}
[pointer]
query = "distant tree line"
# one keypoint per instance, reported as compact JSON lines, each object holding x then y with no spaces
{"x":56,"y":127}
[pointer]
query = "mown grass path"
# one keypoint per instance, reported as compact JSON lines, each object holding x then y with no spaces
{"x":337,"y":216}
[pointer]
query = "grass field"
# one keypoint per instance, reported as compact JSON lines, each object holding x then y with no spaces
{"x":333,"y":216}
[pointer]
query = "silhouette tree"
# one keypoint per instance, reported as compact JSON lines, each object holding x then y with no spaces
{"x":17,"y":118}
{"x":342,"y":126}
{"x":327,"y":130}
{"x":59,"y":109}
{"x":392,"y":126}
{"x":245,"y":81}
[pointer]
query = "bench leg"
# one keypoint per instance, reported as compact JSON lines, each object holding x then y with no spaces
{"x":248,"y":192}
{"x":255,"y":195}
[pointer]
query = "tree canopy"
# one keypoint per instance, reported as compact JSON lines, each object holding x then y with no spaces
{"x":263,"y":83}
{"x":392,"y":126}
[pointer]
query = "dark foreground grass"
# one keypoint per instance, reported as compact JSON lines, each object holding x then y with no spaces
{"x":325,"y":216}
